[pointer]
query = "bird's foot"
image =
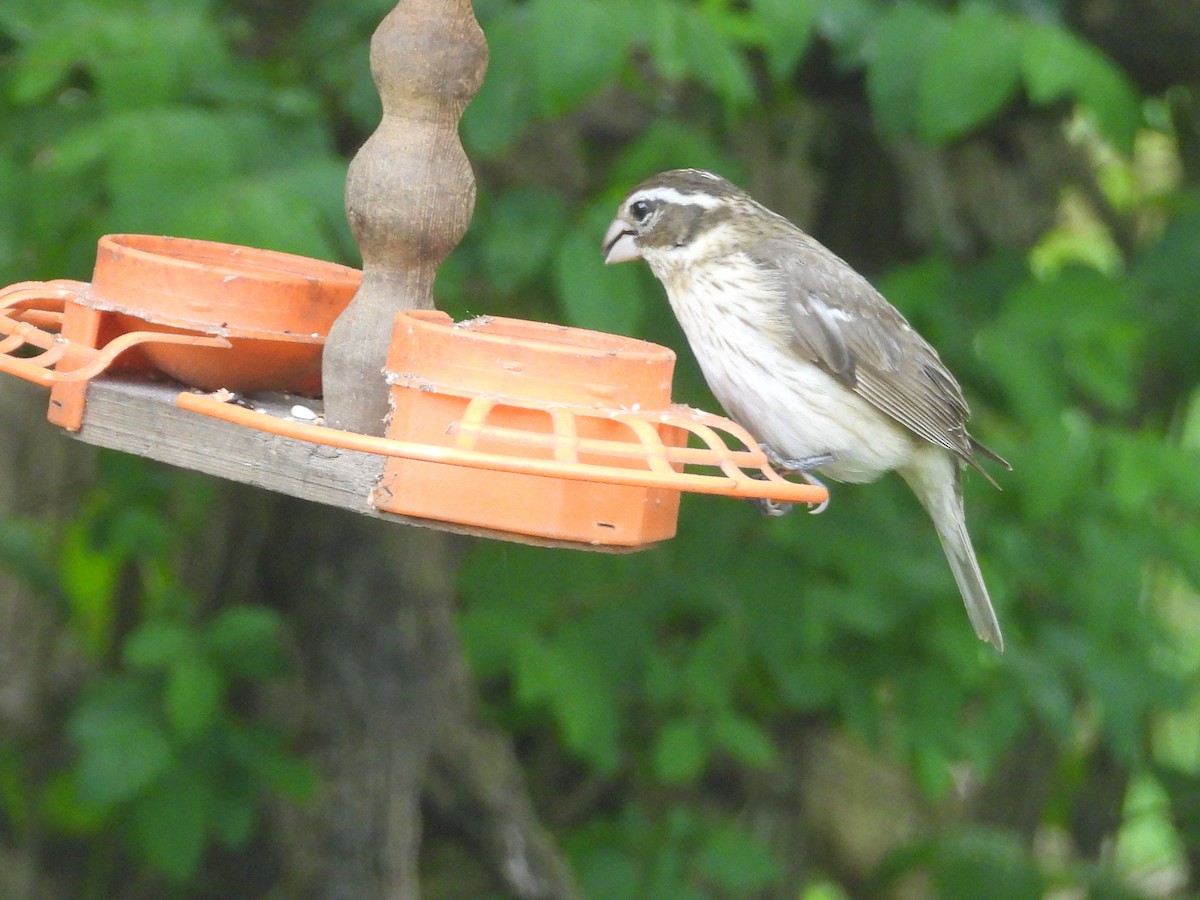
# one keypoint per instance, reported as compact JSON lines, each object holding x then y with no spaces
{"x":785,"y":466}
{"x":771,"y":508}
{"x":803,"y":468}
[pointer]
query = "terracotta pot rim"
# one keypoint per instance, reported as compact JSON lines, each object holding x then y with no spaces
{"x":538,"y":337}
{"x":239,"y":260}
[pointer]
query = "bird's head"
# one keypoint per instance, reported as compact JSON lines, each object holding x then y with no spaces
{"x":670,"y":211}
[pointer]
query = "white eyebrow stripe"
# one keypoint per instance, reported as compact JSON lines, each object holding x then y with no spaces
{"x":671,"y":195}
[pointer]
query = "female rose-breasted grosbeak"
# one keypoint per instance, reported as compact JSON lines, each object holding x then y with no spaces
{"x":806,"y":355}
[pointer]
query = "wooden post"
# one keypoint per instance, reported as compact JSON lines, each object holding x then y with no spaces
{"x":409,"y":193}
{"x":395,"y":717}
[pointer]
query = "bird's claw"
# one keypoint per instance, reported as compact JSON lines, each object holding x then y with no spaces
{"x":771,"y":508}
{"x":823,"y":505}
{"x":803,"y":468}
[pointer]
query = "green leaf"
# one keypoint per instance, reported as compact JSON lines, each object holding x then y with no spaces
{"x":714,"y":661}
{"x":511,"y":592}
{"x":255,"y":211}
{"x":578,"y":47}
{"x":685,"y":43}
{"x":138,"y":533}
{"x":156,"y":644}
{"x":896,"y":53}
{"x":807,"y":685}
{"x":1182,"y":789}
{"x":824,"y":890}
{"x":1169,"y":265}
{"x":44,"y":62}
{"x":235,"y":814}
{"x":564,"y":678}
{"x":518,"y":233}
{"x":136,"y":57}
{"x":89,"y":578}
{"x":317,"y":184}
{"x":971,"y":72}
{"x":846,"y":25}
{"x":167,"y":825}
{"x":262,"y":752}
{"x":786,"y":30}
{"x":62,"y":807}
{"x":506,"y":102}
{"x":15,"y":788}
{"x":245,"y":642}
{"x":27,"y":550}
{"x":1102,"y":340}
{"x":1058,"y":65}
{"x":931,"y":769}
{"x":607,"y":871}
{"x":1080,"y":324}
{"x":1055,"y":62}
{"x":713,"y":59}
{"x":164,"y":161}
{"x":666,"y":45}
{"x":680,"y":752}
{"x":142,"y":58}
{"x":986,"y":865}
{"x":591,"y":294}
{"x":1043,"y":683}
{"x":737,"y":862}
{"x":122,"y":748}
{"x":744,"y":739}
{"x":665,"y":145}
{"x":193,"y":694}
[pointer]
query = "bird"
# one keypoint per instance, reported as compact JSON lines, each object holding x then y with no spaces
{"x":801,"y":351}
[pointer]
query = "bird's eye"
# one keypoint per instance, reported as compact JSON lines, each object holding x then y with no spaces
{"x":640,"y":210}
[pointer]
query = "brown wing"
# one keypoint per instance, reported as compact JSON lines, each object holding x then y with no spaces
{"x":841,"y":323}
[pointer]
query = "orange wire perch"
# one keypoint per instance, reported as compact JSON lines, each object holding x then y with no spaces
{"x":41,"y":316}
{"x":502,"y":425}
{"x":31,"y":317}
{"x":652,"y":464}
{"x":541,"y":430}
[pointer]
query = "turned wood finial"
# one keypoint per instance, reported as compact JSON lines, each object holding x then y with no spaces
{"x":409,"y":194}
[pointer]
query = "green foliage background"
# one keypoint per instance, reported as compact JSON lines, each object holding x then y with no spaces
{"x":662,"y":687}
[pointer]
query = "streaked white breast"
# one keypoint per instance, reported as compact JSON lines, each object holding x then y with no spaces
{"x":739,"y":333}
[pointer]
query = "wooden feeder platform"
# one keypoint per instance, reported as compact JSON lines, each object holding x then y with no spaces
{"x":499,"y":427}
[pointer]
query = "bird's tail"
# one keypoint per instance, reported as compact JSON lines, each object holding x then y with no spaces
{"x":935,"y":476}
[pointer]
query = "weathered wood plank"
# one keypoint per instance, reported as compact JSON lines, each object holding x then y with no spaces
{"x":141,"y":417}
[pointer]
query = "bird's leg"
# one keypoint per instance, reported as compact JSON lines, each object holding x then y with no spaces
{"x":785,"y":466}
{"x":801,"y":467}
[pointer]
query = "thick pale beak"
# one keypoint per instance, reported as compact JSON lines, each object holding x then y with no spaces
{"x":618,"y":243}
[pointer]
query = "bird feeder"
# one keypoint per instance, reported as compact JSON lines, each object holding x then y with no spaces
{"x":348,"y":388}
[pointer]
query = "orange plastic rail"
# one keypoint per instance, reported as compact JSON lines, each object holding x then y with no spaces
{"x":661,"y":465}
{"x":31,"y":315}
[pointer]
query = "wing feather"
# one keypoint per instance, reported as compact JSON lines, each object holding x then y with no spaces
{"x":841,"y":323}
